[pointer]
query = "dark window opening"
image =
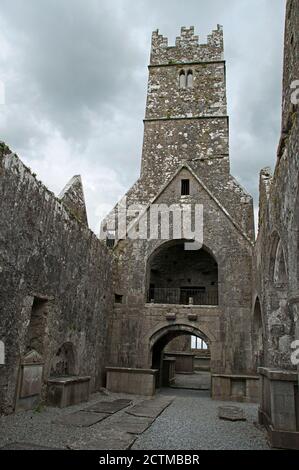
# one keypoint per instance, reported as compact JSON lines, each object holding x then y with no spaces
{"x":118,"y":298}
{"x":110,"y":238}
{"x":185,"y":187}
{"x":110,"y":242}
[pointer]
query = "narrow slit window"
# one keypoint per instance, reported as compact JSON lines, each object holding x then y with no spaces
{"x":185,"y":187}
{"x":182,"y":79}
{"x":118,"y":299}
{"x":189,"y":79}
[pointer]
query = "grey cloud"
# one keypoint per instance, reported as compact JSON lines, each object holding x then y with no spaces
{"x":75,"y":73}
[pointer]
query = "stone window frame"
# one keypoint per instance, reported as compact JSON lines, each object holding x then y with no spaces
{"x":185,"y":187}
{"x":258,"y":332}
{"x":182,"y":79}
{"x":184,"y":83}
{"x":278,"y":274}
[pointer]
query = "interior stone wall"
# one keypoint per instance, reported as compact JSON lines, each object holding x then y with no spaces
{"x":46,"y":252}
{"x":277,"y":246}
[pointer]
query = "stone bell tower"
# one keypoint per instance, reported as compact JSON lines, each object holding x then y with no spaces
{"x":186,"y":116}
{"x":186,"y":123}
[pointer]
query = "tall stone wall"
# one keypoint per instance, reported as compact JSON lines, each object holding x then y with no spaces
{"x":277,"y":247}
{"x":275,"y":319}
{"x":48,"y":257}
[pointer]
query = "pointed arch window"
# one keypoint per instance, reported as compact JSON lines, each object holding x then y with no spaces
{"x":189,"y":79}
{"x":186,"y":79}
{"x":182,"y":79}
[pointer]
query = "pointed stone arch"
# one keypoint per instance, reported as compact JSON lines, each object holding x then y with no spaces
{"x":258,"y":336}
{"x":182,"y":79}
{"x":277,"y":264}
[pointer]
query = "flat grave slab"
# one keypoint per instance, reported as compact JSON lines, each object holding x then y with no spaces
{"x":26,"y":446}
{"x":106,"y":440}
{"x":231,"y":413}
{"x":149,"y":408}
{"x":132,"y":424}
{"x":80,"y":419}
{"x":109,"y":407}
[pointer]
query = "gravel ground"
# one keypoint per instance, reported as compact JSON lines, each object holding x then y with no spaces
{"x":191,"y":423}
{"x":36,"y":427}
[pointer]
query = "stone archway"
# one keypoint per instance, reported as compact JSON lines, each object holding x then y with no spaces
{"x":179,"y":276}
{"x":257,"y":335}
{"x":163,"y":336}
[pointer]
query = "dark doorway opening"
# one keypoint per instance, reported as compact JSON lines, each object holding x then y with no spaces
{"x":182,"y":361}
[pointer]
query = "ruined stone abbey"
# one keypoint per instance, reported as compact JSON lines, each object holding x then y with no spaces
{"x":88,"y":312}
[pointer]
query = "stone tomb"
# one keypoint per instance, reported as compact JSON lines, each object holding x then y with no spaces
{"x":67,"y":391}
{"x":184,"y":362}
{"x":131,"y":380}
{"x":30,"y":382}
{"x":279,"y":406}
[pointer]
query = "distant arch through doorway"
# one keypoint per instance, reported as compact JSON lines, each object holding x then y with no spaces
{"x":159,"y":339}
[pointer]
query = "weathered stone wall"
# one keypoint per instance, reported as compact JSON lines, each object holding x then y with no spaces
{"x":46,"y":253}
{"x":276,"y":262}
{"x":230,"y":324}
{"x":186,"y":136}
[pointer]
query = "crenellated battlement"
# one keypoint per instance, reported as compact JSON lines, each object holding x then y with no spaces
{"x":187,"y":37}
{"x":187,"y":47}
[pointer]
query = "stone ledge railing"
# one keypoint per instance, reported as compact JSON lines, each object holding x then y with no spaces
{"x":181,"y":296}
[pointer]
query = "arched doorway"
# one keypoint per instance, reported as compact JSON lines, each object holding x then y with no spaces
{"x":179,"y":276}
{"x":257,"y":335}
{"x":184,"y":361}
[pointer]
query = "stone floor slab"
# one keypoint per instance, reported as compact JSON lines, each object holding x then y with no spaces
{"x":81,"y":419}
{"x":149,"y":408}
{"x":132,"y":424}
{"x":106,"y":440}
{"x":231,"y":413}
{"x":109,"y":407}
{"x":26,"y":446}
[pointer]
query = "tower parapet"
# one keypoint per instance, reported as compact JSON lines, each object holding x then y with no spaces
{"x":187,"y":48}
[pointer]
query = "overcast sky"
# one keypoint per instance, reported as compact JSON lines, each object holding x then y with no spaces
{"x":75,"y":75}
